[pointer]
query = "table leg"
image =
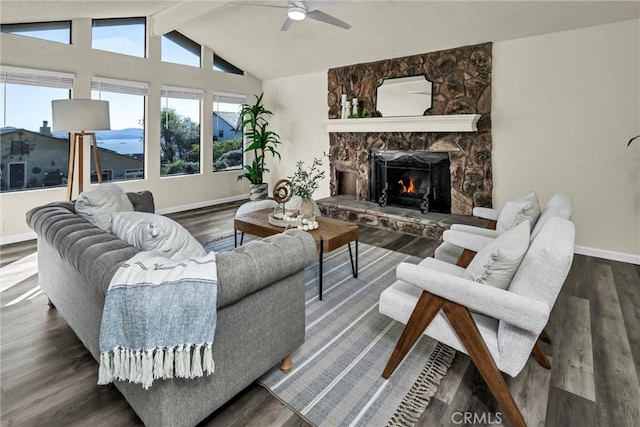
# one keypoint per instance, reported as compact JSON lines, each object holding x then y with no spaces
{"x":320,"y":269}
{"x":235,"y":238}
{"x":353,"y":268}
{"x":241,"y":238}
{"x":356,"y":274}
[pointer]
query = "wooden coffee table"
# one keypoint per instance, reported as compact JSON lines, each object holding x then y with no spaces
{"x":330,"y":235}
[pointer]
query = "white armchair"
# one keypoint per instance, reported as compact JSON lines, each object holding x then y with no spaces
{"x":497,"y":328}
{"x":558,"y":205}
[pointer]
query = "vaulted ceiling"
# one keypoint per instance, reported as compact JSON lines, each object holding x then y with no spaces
{"x":250,"y":37}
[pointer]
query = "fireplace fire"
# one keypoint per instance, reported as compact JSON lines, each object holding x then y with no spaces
{"x":411,"y":179}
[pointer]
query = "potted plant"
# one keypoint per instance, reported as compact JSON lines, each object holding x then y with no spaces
{"x":305,"y":182}
{"x":260,"y":141}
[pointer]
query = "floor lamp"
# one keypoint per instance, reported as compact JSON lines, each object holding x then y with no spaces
{"x":80,"y":117}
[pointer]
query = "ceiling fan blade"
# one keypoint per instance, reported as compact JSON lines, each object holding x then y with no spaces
{"x":328,"y":19}
{"x":286,"y":24}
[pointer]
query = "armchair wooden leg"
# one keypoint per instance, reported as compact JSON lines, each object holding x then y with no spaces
{"x":426,"y":309}
{"x":540,"y":357}
{"x":286,"y":364}
{"x":544,"y":336}
{"x":464,"y":325}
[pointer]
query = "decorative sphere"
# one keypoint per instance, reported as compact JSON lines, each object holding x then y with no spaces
{"x":305,"y":227}
{"x":315,"y":225}
{"x":299,"y":227}
{"x":305,"y":220}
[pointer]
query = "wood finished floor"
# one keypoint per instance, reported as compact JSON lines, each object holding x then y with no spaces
{"x":48,"y":378}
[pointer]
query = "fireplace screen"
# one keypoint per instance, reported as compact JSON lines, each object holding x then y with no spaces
{"x":411,"y":179}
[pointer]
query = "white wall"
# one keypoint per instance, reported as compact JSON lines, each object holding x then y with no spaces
{"x":564,"y":107}
{"x":170,"y":193}
{"x":299,"y":105}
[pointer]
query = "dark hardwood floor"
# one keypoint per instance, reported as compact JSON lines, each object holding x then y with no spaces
{"x":48,"y":378}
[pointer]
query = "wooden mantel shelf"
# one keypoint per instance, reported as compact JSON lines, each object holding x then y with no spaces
{"x":445,"y":123}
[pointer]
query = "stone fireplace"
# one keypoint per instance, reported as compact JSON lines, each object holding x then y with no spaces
{"x":411,"y":179}
{"x":461,"y":85}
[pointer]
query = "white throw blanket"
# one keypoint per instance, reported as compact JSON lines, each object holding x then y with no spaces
{"x":159,"y":320}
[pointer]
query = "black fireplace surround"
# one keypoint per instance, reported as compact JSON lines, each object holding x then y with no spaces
{"x":411,"y":179}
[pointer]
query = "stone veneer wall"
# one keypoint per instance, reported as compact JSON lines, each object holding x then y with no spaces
{"x":461,"y":85}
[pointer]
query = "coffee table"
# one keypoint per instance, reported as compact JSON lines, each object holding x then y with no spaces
{"x":330,"y":235}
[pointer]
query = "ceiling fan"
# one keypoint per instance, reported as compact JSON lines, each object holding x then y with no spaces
{"x":297,"y":10}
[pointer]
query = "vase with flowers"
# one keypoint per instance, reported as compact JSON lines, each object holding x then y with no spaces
{"x":304,"y":182}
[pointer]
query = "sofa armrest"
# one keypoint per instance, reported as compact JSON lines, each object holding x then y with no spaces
{"x":258,"y":264}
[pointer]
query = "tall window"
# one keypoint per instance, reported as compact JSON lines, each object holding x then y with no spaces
{"x":121,"y":148}
{"x":120,"y":35}
{"x":180,"y":49}
{"x":180,"y":131}
{"x":31,"y":155}
{"x":227,"y":131}
{"x":53,"y":31}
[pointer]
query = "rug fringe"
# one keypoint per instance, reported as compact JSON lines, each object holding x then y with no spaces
{"x":417,"y":398}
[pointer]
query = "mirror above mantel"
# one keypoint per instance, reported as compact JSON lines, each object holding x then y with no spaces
{"x":404,"y":96}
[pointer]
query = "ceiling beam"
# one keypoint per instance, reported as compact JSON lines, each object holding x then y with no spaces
{"x":174,"y":16}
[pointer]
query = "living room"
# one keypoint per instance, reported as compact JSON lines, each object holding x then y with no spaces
{"x":565,"y":82}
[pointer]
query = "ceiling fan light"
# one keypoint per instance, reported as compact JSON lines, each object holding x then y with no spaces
{"x":296,"y":13}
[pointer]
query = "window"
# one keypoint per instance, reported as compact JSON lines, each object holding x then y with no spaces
{"x":180,"y":49}
{"x":180,"y":131}
{"x":31,"y":155}
{"x":228,"y":146}
{"x":53,"y":31}
{"x":120,"y":35}
{"x":221,"y":64}
{"x":122,"y":147}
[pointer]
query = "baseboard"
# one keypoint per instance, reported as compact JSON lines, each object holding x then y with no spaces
{"x":18,"y":238}
{"x":204,"y":204}
{"x":610,"y":255}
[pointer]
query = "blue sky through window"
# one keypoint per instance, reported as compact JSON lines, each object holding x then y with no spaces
{"x":53,"y":31}
{"x":125,"y":36}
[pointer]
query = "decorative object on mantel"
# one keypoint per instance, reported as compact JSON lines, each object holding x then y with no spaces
{"x":345,"y":107}
{"x":260,"y":141}
{"x":305,"y":182}
{"x":631,"y":140}
{"x":404,"y":96}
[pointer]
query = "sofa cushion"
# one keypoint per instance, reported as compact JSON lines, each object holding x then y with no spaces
{"x":497,"y":262}
{"x":150,"y":232}
{"x":519,"y":210}
{"x":97,"y":205}
{"x":142,"y":201}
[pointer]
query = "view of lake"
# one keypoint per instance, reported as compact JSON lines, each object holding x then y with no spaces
{"x":122,"y":146}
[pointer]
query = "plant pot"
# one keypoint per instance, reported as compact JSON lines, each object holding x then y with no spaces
{"x":307,"y":208}
{"x":258,"y":191}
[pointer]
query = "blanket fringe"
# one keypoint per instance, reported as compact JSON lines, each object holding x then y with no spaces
{"x":143,"y":366}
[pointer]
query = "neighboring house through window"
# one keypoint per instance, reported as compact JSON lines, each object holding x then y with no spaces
{"x":228,"y":145}
{"x":31,"y":156}
{"x":122,"y":148}
{"x":180,"y":131}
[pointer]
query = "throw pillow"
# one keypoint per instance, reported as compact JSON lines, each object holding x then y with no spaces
{"x":517,"y":211}
{"x":97,"y":205}
{"x":497,"y":262}
{"x":151,"y":232}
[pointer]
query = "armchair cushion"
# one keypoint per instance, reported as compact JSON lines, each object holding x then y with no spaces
{"x":497,"y":262}
{"x":517,"y":211}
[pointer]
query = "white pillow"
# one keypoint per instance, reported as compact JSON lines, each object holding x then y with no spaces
{"x":97,"y":205}
{"x":151,"y":232}
{"x":519,"y":210}
{"x":496,"y":263}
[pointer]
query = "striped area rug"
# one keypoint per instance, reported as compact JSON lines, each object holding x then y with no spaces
{"x":336,"y":377}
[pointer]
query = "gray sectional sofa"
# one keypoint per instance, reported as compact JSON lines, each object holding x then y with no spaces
{"x":261,"y":311}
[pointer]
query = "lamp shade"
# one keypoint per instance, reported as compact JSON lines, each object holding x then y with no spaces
{"x":73,"y":115}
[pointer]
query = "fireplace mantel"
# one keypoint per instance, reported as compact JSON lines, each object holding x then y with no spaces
{"x":443,"y":123}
